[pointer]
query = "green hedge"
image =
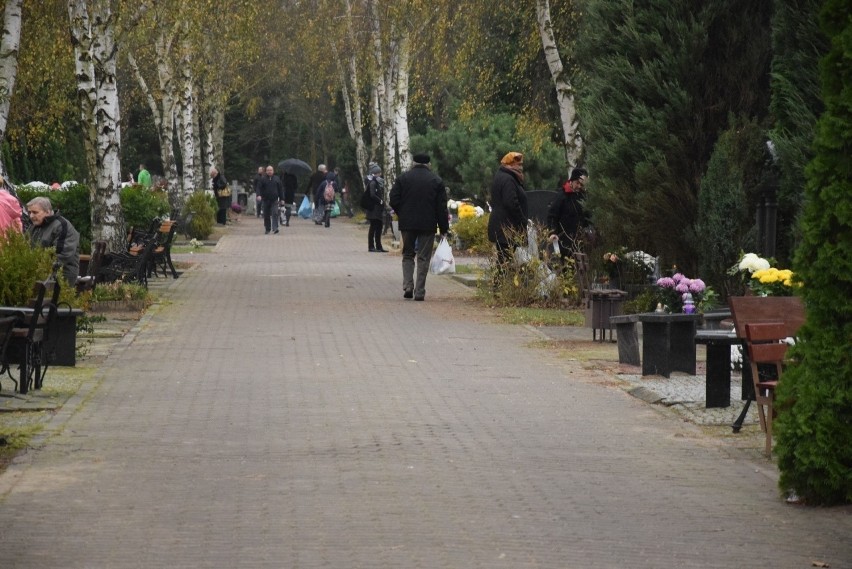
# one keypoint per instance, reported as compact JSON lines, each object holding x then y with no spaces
{"x":815,"y":395}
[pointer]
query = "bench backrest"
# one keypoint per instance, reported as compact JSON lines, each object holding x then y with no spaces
{"x":787,"y":310}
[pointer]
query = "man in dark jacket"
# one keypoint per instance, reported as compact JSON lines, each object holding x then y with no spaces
{"x":51,"y":230}
{"x":419,"y":198}
{"x":271,"y":190}
{"x":566,"y":216}
{"x":508,"y":205}
{"x":258,"y":204}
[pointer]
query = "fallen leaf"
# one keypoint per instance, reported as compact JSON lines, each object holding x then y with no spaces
{"x":820,"y":564}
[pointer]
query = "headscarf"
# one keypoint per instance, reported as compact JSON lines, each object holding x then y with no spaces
{"x":514,"y":161}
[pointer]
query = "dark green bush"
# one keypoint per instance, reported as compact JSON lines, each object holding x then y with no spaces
{"x":20,"y":267}
{"x":815,"y":395}
{"x":202,"y":209}
{"x":140,"y":205}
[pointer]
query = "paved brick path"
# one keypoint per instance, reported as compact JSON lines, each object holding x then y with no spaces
{"x":285,"y":407}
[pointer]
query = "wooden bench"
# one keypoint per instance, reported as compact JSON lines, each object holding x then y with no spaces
{"x":762,"y":323}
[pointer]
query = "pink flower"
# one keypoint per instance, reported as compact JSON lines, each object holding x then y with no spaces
{"x":696,"y":286}
{"x":682,"y":287}
{"x":677,"y":277}
{"x":666,"y":282}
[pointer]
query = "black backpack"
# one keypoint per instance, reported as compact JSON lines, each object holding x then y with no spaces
{"x":367,"y":202}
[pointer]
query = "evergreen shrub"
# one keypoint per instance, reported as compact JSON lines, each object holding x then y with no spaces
{"x":199,"y":211}
{"x":814,"y":426}
{"x":473,"y":233}
{"x":141,"y":205}
{"x":20,"y":267}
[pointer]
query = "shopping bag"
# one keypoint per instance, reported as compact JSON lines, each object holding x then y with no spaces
{"x":305,"y":208}
{"x":525,"y":254}
{"x":443,"y":262}
{"x":335,"y":209}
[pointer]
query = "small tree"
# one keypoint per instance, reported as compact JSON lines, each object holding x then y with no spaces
{"x":815,"y":396}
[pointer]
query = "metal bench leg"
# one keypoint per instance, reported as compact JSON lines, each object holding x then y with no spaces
{"x":738,"y":424}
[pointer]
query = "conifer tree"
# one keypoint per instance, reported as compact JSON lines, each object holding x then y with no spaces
{"x":815,"y":396}
{"x":797,"y":45}
{"x":661,"y":79}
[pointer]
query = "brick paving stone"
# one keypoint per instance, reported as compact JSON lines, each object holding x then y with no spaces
{"x":285,"y":407}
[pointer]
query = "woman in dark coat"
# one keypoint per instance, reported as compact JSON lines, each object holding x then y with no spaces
{"x":508,"y":205}
{"x":566,"y":216}
{"x":220,"y":188}
{"x":374,"y":200}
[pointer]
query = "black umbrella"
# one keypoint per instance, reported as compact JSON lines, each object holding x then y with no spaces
{"x":294,"y":166}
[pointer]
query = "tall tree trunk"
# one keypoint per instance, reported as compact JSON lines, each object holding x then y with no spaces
{"x":350,"y":87}
{"x":93,"y":37}
{"x":9,"y":45}
{"x":84,"y":71}
{"x":186,"y":131}
{"x":400,"y":102}
{"x":564,"y":90}
{"x":162,"y":105}
{"x":383,"y":76}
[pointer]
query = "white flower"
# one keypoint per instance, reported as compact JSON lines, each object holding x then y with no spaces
{"x":752,"y":263}
{"x":479,"y":211}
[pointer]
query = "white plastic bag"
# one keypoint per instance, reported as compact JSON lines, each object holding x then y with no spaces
{"x":524,"y":255}
{"x":443,"y":262}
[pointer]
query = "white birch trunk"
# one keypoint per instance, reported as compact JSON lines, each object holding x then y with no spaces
{"x":564,"y":90}
{"x":186,"y":132}
{"x":9,"y":45}
{"x":163,"y":112}
{"x":400,"y":103}
{"x":106,"y":209}
{"x":84,"y":71}
{"x":352,"y":102}
{"x":384,"y":94}
{"x":92,"y":36}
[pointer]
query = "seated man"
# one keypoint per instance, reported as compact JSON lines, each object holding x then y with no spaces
{"x":53,"y":230}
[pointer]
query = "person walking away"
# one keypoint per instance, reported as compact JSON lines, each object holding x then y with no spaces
{"x":51,"y":230}
{"x":290,"y":183}
{"x":374,"y":206}
{"x":258,"y":201}
{"x":271,"y":190}
{"x":312,"y":190}
{"x":345,"y":194}
{"x":326,"y":193}
{"x":567,"y":216}
{"x":10,"y":210}
{"x":220,"y":188}
{"x":144,"y":177}
{"x":508,"y":206}
{"x":419,"y":198}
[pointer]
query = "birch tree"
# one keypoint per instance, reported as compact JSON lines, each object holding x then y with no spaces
{"x":160,"y":95}
{"x":9,"y":44}
{"x":564,"y":89}
{"x":93,"y":27}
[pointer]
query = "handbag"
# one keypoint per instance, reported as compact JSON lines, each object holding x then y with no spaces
{"x":224,"y":192}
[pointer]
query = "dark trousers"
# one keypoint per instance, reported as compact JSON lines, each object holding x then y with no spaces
{"x":270,"y":214}
{"x":221,"y":216}
{"x":416,"y":254}
{"x":374,"y":235}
